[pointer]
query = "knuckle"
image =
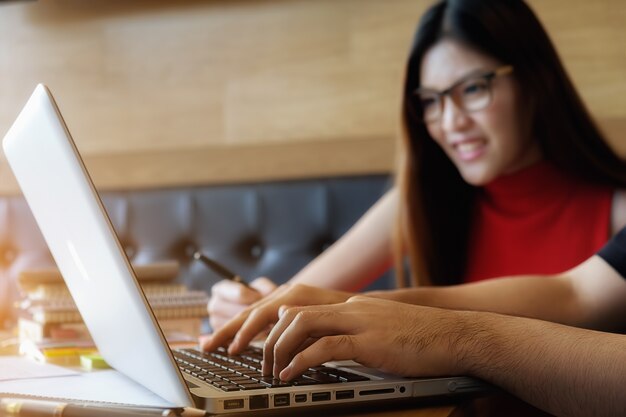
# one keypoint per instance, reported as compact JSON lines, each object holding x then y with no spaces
{"x":306,"y":316}
{"x":302,"y":317}
{"x":257,"y":316}
{"x":357,"y":298}
{"x":291,"y":313}
{"x":254,"y":314}
{"x":282,"y":289}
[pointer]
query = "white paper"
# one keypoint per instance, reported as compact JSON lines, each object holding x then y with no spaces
{"x":105,"y":385}
{"x":17,"y":367}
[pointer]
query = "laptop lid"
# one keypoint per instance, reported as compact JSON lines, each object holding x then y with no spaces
{"x":77,"y":229}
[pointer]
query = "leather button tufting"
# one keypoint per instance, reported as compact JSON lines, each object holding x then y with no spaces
{"x":190,"y":249}
{"x":256,"y":250}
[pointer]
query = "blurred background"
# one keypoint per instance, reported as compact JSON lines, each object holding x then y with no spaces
{"x":162,"y":94}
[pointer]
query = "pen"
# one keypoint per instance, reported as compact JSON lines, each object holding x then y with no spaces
{"x":14,"y":407}
{"x":219,"y":269}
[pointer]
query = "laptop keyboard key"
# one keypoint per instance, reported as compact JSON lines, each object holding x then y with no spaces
{"x":240,"y":379}
{"x":270,"y":381}
{"x":322,"y":377}
{"x":353,"y":378}
{"x":303,"y":380}
{"x":250,"y":386}
{"x":345,"y":375}
{"x":243,"y":372}
{"x":230,"y":387}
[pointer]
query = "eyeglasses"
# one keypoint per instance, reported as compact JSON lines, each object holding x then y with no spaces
{"x":471,"y":93}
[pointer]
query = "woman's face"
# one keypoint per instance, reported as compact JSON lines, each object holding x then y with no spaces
{"x":483,"y":144}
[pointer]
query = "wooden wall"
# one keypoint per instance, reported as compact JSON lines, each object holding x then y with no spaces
{"x":161,"y":93}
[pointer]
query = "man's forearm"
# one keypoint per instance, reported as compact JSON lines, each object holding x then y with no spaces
{"x":545,"y":298}
{"x":560,"y":369}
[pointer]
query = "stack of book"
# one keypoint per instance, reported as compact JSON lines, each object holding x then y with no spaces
{"x":47,"y":311}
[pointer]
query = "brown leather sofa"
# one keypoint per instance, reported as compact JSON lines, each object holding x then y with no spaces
{"x":267,"y":229}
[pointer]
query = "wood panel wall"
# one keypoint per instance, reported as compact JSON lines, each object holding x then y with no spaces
{"x":160,"y":93}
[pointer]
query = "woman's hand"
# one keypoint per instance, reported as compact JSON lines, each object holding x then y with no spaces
{"x":394,"y":337}
{"x":229,"y":298}
{"x":247,"y":324}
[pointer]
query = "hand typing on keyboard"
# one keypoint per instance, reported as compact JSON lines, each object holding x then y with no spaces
{"x":245,"y":326}
{"x":243,"y":371}
{"x":394,"y":337}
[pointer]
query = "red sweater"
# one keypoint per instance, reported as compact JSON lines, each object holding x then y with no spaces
{"x":534,"y":221}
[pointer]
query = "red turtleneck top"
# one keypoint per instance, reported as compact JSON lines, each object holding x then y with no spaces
{"x":536,"y":221}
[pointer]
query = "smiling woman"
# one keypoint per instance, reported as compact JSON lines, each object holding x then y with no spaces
{"x":482,"y":133}
{"x":495,"y":165}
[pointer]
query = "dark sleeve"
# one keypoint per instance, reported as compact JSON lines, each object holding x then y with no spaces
{"x":614,"y":252}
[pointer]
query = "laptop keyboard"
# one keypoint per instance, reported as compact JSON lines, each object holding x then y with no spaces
{"x":243,"y":371}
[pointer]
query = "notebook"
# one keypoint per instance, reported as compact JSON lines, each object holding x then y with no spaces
{"x":76,"y":227}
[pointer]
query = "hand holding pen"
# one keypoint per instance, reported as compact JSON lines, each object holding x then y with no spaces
{"x":218,"y":268}
{"x":233,"y":294}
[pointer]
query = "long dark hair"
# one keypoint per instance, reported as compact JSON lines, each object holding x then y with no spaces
{"x":435,"y":202}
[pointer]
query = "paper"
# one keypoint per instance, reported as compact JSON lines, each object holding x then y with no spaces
{"x":17,"y":367}
{"x":106,"y":385}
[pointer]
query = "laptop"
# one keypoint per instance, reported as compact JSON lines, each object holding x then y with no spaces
{"x":81,"y":238}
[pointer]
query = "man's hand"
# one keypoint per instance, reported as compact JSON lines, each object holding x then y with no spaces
{"x":394,"y":337}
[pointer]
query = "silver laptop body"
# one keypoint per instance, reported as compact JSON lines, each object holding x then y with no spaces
{"x":76,"y":227}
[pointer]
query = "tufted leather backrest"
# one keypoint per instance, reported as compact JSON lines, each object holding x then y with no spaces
{"x":268,"y":229}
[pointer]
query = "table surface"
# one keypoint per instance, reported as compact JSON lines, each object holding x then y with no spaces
{"x":499,"y":404}
{"x":404,"y":411}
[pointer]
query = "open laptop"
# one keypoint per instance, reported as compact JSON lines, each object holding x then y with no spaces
{"x":76,"y":227}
